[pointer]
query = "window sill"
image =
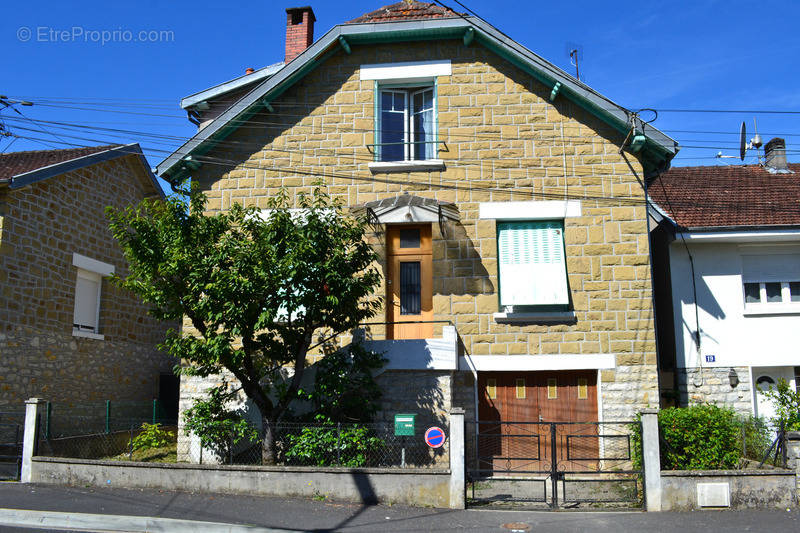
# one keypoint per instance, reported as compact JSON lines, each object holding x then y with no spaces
{"x":88,"y":335}
{"x":766,"y":310}
{"x":405,"y":166}
{"x":535,"y":317}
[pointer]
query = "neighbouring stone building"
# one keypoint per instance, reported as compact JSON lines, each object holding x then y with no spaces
{"x":504,"y":195}
{"x":66,"y":333}
{"x":727,"y":281}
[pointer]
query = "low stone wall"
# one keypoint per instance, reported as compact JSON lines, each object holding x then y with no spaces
{"x":746,"y":489}
{"x":420,"y":487}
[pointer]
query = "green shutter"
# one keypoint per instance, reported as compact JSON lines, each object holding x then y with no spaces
{"x":531,"y":263}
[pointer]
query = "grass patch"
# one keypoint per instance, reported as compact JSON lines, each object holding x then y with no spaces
{"x":163,"y":454}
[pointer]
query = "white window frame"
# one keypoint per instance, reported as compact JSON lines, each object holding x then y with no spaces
{"x":764,"y":307}
{"x":407,"y":76}
{"x":94,"y":271}
{"x":409,"y":115}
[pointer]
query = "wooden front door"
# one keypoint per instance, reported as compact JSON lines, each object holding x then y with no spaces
{"x":409,"y":282}
{"x":525,"y":403}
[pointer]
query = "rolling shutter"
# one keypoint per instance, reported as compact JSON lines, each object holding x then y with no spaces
{"x":87,"y":301}
{"x":531,"y":263}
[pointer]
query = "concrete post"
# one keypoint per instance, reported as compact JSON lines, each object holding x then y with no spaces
{"x":793,"y":458}
{"x":652,"y":459}
{"x":29,"y":436}
{"x":458,"y":490}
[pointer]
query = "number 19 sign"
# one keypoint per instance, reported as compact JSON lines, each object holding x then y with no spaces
{"x":434,"y":437}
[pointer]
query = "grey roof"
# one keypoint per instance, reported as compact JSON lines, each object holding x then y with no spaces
{"x":485,"y":33}
{"x":230,"y":85}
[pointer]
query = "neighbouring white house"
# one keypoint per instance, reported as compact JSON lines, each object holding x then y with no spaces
{"x":726,"y":255}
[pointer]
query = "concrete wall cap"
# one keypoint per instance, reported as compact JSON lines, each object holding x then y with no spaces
{"x":652,"y":411}
{"x":793,"y":435}
{"x":34,"y":400}
{"x":727,"y":473}
{"x":457,"y":411}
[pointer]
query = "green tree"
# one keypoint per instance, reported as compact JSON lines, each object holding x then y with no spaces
{"x":787,"y":405}
{"x":254,"y":285}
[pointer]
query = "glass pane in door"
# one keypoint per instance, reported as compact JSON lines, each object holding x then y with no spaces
{"x":410,"y":290}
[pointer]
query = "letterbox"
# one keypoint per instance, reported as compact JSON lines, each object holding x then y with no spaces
{"x":404,"y":424}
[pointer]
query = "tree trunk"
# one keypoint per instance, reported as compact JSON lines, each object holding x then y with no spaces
{"x":268,"y":452}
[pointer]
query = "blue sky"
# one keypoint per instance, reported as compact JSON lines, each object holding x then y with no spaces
{"x":710,"y":55}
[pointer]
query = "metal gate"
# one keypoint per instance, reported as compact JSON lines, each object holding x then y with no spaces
{"x":10,"y":451}
{"x":554,"y":464}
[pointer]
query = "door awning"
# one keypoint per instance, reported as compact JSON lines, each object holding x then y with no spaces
{"x":408,"y":209}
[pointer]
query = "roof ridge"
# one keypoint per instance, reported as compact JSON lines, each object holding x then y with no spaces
{"x":60,"y":150}
{"x":406,"y":10}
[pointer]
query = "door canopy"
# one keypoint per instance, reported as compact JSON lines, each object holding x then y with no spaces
{"x":410,"y":209}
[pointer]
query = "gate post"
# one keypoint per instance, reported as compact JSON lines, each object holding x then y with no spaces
{"x":651,"y":458}
{"x":793,"y":445}
{"x":29,"y":437}
{"x":457,"y":459}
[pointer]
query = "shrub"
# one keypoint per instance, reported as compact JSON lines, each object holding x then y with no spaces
{"x":700,"y":437}
{"x":218,"y":428}
{"x":152,"y":436}
{"x":329,"y":445}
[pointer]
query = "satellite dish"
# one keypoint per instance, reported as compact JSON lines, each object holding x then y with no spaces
{"x":742,"y":141}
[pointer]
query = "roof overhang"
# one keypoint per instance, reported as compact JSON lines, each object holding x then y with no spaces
{"x":748,"y":234}
{"x":231,"y":85}
{"x":657,"y":148}
{"x":43,"y":173}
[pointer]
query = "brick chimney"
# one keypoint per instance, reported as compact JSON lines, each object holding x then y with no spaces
{"x":775,"y":155}
{"x":299,"y":30}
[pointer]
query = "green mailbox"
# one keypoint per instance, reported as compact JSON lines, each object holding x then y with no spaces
{"x":404,"y":425}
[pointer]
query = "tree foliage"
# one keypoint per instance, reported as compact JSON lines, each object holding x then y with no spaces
{"x":254,"y":285}
{"x":344,"y":390}
{"x":787,"y":405}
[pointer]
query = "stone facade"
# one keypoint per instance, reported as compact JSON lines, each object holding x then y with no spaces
{"x":43,"y":224}
{"x":504,"y":140}
{"x":712,"y":385}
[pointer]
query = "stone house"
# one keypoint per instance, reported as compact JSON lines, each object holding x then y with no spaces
{"x":66,"y":333}
{"x":504,"y":196}
{"x":727,"y":281}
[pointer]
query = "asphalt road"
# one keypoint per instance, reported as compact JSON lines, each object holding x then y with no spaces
{"x":306,"y":515}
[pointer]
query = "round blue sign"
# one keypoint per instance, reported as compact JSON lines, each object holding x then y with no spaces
{"x":434,"y":437}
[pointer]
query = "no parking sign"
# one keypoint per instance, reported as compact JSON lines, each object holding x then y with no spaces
{"x":434,"y":437}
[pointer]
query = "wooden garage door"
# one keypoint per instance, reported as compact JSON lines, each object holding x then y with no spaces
{"x":518,"y":398}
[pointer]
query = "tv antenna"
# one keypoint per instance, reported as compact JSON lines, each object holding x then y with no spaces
{"x":575,"y":52}
{"x":755,"y":142}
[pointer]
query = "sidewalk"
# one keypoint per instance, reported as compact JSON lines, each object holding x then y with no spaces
{"x":145,"y":510}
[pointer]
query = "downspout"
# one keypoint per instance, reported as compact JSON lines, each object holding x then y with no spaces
{"x":643,"y":183}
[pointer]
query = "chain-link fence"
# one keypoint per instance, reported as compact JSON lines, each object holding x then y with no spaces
{"x":304,"y":444}
{"x":103,"y":430}
{"x":132,"y":433}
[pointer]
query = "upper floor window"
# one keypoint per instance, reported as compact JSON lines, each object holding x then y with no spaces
{"x":532,"y":265}
{"x":406,"y":124}
{"x":406,"y":114}
{"x":88,"y":286}
{"x":771,"y":292}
